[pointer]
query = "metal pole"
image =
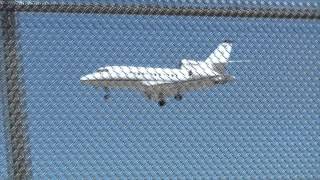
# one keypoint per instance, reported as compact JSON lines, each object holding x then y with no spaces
{"x":15,"y":117}
{"x":252,"y":12}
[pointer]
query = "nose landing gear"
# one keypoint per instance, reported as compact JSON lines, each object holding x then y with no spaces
{"x":106,"y":97}
{"x":107,"y":93}
{"x":162,"y":100}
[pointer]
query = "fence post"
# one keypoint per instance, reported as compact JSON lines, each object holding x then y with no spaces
{"x":19,"y":166}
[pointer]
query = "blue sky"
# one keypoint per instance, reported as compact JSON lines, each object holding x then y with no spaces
{"x":266,"y":123}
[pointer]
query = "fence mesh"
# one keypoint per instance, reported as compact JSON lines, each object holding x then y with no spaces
{"x":262,"y":124}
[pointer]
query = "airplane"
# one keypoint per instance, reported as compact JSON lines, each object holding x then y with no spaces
{"x":157,"y":84}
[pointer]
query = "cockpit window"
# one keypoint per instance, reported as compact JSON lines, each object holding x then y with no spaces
{"x":103,"y":70}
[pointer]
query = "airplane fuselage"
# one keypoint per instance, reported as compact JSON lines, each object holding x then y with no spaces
{"x":131,"y":76}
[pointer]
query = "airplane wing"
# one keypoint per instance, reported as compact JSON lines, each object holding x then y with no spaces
{"x":161,"y":89}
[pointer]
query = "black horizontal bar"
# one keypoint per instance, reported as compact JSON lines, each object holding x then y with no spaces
{"x":289,"y":13}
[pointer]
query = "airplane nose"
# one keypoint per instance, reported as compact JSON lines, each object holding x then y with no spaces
{"x":83,"y":78}
{"x":87,"y":78}
{"x":91,"y":78}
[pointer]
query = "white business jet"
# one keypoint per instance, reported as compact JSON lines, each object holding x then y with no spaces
{"x":159,"y":83}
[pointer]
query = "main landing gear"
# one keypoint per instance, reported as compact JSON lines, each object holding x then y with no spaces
{"x":178,"y":97}
{"x":162,"y":102}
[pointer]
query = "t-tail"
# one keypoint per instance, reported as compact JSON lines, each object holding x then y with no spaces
{"x":220,"y":57}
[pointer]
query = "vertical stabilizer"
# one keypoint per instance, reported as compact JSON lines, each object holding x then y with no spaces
{"x":219,"y":58}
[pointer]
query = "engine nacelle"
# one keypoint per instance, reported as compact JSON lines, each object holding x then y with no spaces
{"x":188,"y":64}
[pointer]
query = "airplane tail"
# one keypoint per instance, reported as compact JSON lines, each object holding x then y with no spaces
{"x":220,"y":57}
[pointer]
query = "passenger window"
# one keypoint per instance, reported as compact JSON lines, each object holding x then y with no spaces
{"x":190,"y":73}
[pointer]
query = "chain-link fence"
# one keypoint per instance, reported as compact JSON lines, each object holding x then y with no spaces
{"x":169,"y":89}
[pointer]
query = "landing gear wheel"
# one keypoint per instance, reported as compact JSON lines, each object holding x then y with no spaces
{"x":162,"y":103}
{"x":106,"y":97}
{"x":178,"y":97}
